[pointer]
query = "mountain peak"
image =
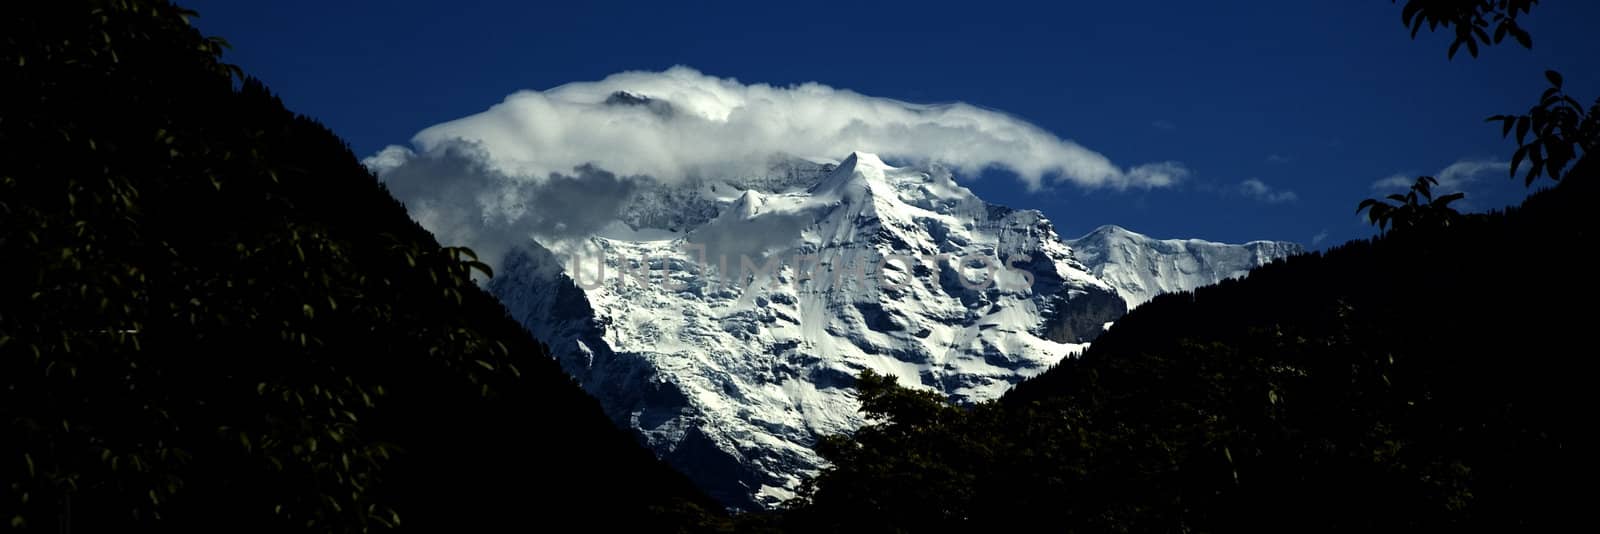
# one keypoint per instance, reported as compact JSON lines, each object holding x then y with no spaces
{"x":861,"y":161}
{"x":859,"y":158}
{"x":623,"y":98}
{"x":1110,"y":229}
{"x":855,"y":174}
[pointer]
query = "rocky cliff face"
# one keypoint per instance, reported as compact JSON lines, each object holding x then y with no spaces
{"x":725,"y":320}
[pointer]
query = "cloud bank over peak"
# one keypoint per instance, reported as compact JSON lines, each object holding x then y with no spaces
{"x":681,"y":123}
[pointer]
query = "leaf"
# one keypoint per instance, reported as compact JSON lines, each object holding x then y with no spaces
{"x":1409,"y":12}
{"x":1506,"y":122}
{"x":1554,"y":77}
{"x":481,"y":267}
{"x":1523,"y":123}
{"x":1550,"y":95}
{"x":1521,"y":35}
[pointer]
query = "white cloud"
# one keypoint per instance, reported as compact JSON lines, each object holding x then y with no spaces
{"x":456,"y":195}
{"x":1465,"y":171}
{"x":1259,"y":190}
{"x":694,"y":124}
{"x":1278,"y":158}
{"x":562,"y":162}
{"x":1320,"y":237}
{"x":1394,"y":181}
{"x":1453,"y":178}
{"x":1163,"y":125}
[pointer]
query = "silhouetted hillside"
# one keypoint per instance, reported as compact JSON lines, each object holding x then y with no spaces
{"x":214,"y":318}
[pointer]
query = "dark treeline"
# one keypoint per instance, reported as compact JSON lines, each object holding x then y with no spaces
{"x":215,"y":319}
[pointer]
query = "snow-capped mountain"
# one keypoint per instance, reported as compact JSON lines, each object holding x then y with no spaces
{"x":1141,"y":267}
{"x":724,"y":320}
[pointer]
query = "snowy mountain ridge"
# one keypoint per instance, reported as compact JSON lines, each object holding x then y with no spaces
{"x":724,"y":320}
{"x":1141,"y":267}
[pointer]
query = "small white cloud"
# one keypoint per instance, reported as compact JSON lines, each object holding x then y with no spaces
{"x":1166,"y":126}
{"x":1394,"y":181}
{"x":1159,"y":174}
{"x":1278,"y":158}
{"x":1463,"y":172}
{"x":388,"y":159}
{"x":1320,"y":237}
{"x":1259,"y":190}
{"x":1453,"y":178}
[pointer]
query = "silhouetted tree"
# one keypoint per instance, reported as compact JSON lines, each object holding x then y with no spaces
{"x":1416,"y":208}
{"x":1471,"y":20}
{"x":1562,"y":132}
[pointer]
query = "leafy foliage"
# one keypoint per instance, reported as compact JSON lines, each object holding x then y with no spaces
{"x":1471,"y":20}
{"x":1415,"y":209}
{"x":216,"y":319}
{"x":1562,"y":132}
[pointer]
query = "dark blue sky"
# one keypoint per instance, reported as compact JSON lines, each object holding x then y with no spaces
{"x":1317,"y":97}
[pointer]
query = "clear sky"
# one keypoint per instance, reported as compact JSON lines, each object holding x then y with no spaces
{"x":1284,"y":113}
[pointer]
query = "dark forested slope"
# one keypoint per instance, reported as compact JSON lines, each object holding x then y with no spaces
{"x":214,"y":318}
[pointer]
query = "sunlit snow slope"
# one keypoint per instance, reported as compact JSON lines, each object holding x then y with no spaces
{"x":730,"y":366}
{"x":1141,"y":267}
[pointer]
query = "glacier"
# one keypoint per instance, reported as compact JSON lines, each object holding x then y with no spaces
{"x":724,"y":319}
